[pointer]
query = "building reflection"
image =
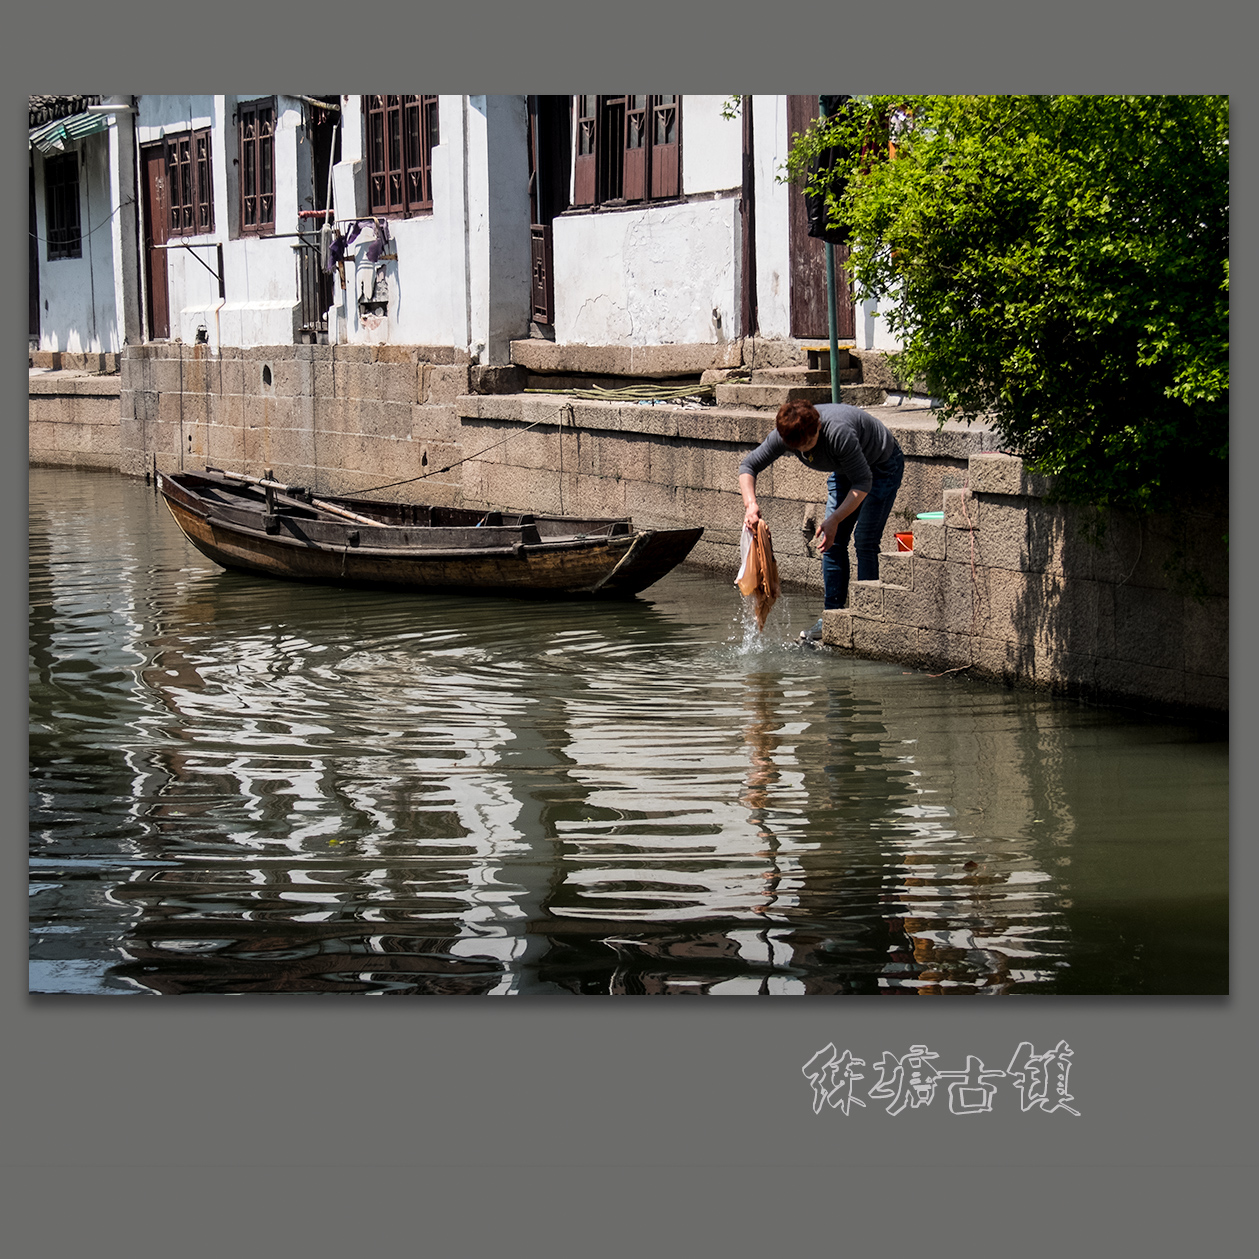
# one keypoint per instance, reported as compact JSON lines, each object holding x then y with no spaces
{"x":572,"y":848}
{"x":346,"y":794}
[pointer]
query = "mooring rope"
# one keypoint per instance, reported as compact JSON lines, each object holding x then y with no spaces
{"x":549,"y":419}
{"x":631,"y":393}
{"x":636,"y":393}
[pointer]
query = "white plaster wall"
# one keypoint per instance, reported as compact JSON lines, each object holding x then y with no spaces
{"x":462,"y":273}
{"x":425,"y":285}
{"x":417,"y":283}
{"x":507,"y":259}
{"x":192,"y":291}
{"x":712,"y":147}
{"x":450,"y":167}
{"x":773,"y":257}
{"x":260,"y":272}
{"x":477,"y":223}
{"x":260,"y":280}
{"x":78,"y":309}
{"x":660,"y":275}
{"x":872,"y":332}
{"x":158,"y":115}
{"x":123,"y":227}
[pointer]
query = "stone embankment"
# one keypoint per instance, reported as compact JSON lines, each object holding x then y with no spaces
{"x":1009,"y":586}
{"x":73,"y":418}
{"x":1004,"y":587}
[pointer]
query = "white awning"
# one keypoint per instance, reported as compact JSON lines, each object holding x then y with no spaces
{"x":52,"y":136}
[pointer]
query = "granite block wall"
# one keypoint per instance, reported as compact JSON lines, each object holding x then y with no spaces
{"x":339,"y":419}
{"x":1010,"y":586}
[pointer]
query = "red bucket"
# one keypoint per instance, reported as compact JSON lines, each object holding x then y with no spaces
{"x":904,"y":541}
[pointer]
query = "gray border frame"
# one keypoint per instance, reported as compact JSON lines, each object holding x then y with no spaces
{"x":317,"y":1126}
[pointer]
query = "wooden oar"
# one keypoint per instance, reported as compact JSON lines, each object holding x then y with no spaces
{"x":320,"y":503}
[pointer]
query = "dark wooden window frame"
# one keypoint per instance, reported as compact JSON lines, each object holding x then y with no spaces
{"x":627,"y":150}
{"x":61,"y":206}
{"x":401,"y":134}
{"x":190,"y":182}
{"x":255,"y":129}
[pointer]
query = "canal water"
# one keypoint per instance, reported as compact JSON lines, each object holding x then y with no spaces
{"x":241,"y":785}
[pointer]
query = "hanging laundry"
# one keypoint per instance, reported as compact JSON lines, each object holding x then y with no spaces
{"x":332,"y":244}
{"x":758,"y":572}
{"x":377,"y":247}
{"x":352,"y":235}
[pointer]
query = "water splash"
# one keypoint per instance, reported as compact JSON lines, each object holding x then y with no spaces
{"x":779,"y":634}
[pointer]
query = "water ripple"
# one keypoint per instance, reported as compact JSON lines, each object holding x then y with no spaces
{"x":240,"y":785}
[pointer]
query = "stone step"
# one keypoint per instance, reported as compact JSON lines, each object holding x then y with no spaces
{"x":771,"y":397}
{"x":804,"y":376}
{"x":896,"y":568}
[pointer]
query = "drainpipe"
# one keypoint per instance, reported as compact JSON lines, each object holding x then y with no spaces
{"x":831,"y":315}
{"x":218,"y":333}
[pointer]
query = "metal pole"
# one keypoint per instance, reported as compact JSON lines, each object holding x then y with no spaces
{"x":831,"y":318}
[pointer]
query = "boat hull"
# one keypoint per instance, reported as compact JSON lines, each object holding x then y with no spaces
{"x":515,"y":560}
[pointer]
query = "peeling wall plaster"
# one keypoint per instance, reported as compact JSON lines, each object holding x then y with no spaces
{"x":648,"y":277}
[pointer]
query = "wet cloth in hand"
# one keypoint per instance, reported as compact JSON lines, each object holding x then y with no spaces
{"x":758,"y":572}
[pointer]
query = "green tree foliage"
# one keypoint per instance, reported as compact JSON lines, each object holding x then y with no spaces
{"x":1057,"y":265}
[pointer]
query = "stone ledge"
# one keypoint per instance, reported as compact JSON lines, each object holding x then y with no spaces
{"x":70,"y":384}
{"x":70,"y":361}
{"x":993,"y":473}
{"x":708,"y":424}
{"x":537,"y":355}
{"x":437,"y":355}
{"x":737,"y":426}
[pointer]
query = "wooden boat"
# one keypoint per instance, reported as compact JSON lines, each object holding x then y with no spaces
{"x":264,"y":526}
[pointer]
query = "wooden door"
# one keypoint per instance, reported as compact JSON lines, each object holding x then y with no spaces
{"x":156,"y":233}
{"x":808,"y":254}
{"x":548,"y":194}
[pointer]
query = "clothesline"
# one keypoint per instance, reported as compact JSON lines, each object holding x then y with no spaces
{"x":43,"y":240}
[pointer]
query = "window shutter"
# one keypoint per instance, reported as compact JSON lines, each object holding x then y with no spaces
{"x":377,"y":165}
{"x":257,"y":166}
{"x":634,"y":173}
{"x":584,"y":168}
{"x":393,"y":154}
{"x":666,"y":124}
{"x":205,"y":188}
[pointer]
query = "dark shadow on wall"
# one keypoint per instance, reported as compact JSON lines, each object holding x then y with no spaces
{"x":1116,"y":608}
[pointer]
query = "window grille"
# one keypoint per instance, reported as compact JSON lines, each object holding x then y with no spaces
{"x":189,"y":181}
{"x":402,"y":132}
{"x":627,"y":149}
{"x":256,"y":123}
{"x":61,"y":204}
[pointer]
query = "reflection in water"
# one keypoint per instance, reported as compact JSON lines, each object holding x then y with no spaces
{"x":241,"y":785}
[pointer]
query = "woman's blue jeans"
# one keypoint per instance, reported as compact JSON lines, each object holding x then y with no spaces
{"x":865,"y":527}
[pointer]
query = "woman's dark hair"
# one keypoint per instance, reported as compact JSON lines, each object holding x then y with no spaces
{"x":797,"y":423}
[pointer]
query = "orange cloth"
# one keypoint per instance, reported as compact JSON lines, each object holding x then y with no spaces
{"x":758,"y":574}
